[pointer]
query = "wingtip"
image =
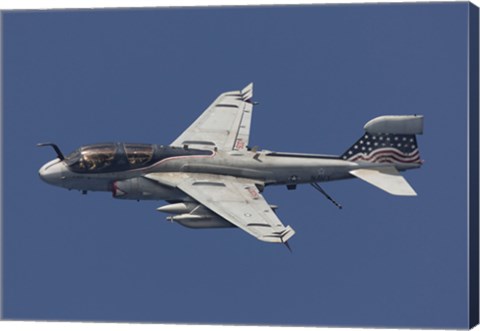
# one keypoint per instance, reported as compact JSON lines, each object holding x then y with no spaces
{"x":247,"y":92}
{"x":248,"y":87}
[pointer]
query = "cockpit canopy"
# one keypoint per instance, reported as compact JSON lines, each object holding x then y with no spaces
{"x":111,"y":157}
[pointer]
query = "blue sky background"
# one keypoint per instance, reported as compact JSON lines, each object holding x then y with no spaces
{"x":320,"y":73}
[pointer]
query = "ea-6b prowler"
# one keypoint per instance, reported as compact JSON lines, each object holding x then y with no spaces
{"x":211,"y":178}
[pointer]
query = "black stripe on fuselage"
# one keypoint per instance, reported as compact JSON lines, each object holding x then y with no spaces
{"x":306,"y":156}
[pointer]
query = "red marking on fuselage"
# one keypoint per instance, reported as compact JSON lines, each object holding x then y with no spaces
{"x":240,"y":144}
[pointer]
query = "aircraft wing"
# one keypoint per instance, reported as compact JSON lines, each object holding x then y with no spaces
{"x":236,"y":200}
{"x":225,"y":124}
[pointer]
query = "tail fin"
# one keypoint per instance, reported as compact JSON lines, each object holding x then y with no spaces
{"x":388,"y":139}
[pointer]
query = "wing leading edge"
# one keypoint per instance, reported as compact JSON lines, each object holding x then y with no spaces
{"x":224,"y":125}
{"x":236,"y":200}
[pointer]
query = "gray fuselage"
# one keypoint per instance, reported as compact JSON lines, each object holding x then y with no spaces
{"x":263,"y":167}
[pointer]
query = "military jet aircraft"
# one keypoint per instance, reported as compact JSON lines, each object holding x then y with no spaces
{"x":211,"y":177}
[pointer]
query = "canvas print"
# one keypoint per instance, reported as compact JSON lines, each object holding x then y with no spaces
{"x":309,"y":165}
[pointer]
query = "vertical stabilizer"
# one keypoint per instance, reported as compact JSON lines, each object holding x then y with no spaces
{"x":388,"y":139}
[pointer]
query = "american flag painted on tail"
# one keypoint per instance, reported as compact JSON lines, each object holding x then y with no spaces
{"x":384,"y":148}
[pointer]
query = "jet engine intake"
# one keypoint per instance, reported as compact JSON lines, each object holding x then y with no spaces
{"x":140,"y":188}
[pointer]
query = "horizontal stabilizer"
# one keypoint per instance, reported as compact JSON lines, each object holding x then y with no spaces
{"x":387,"y":179}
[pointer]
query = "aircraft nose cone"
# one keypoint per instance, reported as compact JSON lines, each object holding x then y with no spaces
{"x":51,"y":172}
